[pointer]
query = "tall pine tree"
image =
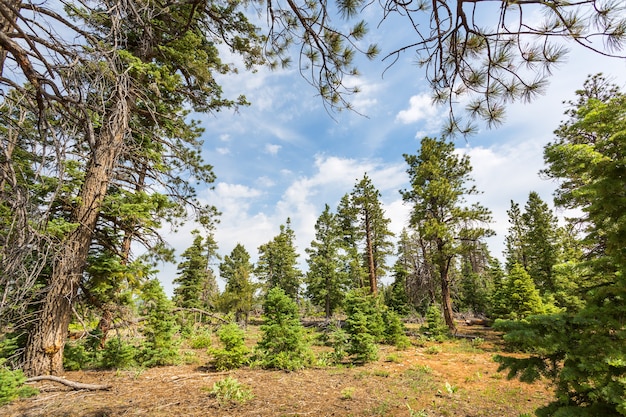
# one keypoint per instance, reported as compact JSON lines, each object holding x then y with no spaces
{"x":238,"y":297}
{"x":327,"y":280}
{"x":278,"y":262}
{"x":439,"y":212}
{"x":583,"y":350}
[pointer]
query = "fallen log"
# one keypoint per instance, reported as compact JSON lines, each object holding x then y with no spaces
{"x":71,"y":384}
{"x":478,"y":322}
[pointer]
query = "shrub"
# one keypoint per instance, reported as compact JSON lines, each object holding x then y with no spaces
{"x":234,"y":353}
{"x":12,"y":385}
{"x":339,"y":341}
{"x":229,"y":391}
{"x":363,"y":346}
{"x":283,"y":344}
{"x":119,"y":354}
{"x":394,"y":330}
{"x":200,"y":339}
{"x":160,"y":347}
{"x":364,"y":326}
{"x":76,"y":357}
{"x":435,"y":324}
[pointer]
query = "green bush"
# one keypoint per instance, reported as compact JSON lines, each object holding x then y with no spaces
{"x":394,"y":330}
{"x":339,"y":341}
{"x":364,"y":326}
{"x":283,"y":344}
{"x":119,"y":354}
{"x":435,"y":324}
{"x":160,"y":347}
{"x":363,"y":346}
{"x":200,"y":339}
{"x":12,"y":385}
{"x":229,"y":391}
{"x":234,"y":353}
{"x":77,"y":357}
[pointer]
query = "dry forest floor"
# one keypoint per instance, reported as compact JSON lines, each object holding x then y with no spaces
{"x":453,"y":378}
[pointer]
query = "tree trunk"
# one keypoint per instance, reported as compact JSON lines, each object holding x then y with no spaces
{"x":446,"y":300}
{"x":46,"y":341}
{"x":327,"y":298}
{"x":370,"y":255}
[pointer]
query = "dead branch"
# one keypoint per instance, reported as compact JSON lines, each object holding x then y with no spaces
{"x":72,"y":384}
{"x":199,"y":310}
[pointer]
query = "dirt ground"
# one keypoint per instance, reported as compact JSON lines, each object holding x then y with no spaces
{"x":453,"y":378}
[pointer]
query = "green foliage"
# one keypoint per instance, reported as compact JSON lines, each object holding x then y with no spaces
{"x":396,"y":297}
{"x":12,"y":385}
{"x":234,"y":353}
{"x":200,"y":338}
{"x":230,"y":391}
{"x":76,"y":356}
{"x":160,"y":346}
{"x":339,"y":341}
{"x":364,"y":325}
{"x":119,"y":354}
{"x":435,"y":325}
{"x":532,"y":241}
{"x":196,"y":286}
{"x":8,"y":346}
{"x":283,"y":344}
{"x":518,"y":298}
{"x":394,"y":333}
{"x":238,"y":296}
{"x":582,"y":349}
{"x":278,"y":262}
{"x":326,"y":281}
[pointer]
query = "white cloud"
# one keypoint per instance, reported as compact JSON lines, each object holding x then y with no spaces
{"x":505,"y":172}
{"x":272,"y":149}
{"x":222,"y":151}
{"x":225,"y":137}
{"x":265,"y":181}
{"x":420,"y":108}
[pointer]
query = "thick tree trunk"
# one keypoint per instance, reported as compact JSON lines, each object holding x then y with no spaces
{"x":44,"y":348}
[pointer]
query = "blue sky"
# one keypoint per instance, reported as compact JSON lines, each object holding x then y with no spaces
{"x":285,"y":156}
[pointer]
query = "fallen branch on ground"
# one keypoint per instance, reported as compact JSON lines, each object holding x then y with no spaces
{"x":72,"y":384}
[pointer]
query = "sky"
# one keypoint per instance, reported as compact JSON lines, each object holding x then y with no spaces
{"x":285,"y":156}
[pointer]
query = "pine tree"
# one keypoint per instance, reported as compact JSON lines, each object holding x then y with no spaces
{"x":278,"y":262}
{"x":374,"y":226}
{"x":283,"y":343}
{"x":520,"y":298}
{"x":541,"y":242}
{"x":439,"y":213}
{"x":160,"y":346}
{"x":351,"y":236}
{"x":364,"y":325}
{"x":514,"y":242}
{"x":196,"y":286}
{"x":238,"y":296}
{"x":326,"y":281}
{"x":396,"y":296}
{"x":582,"y":351}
